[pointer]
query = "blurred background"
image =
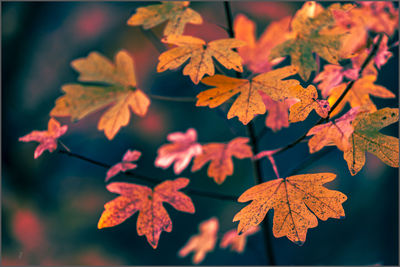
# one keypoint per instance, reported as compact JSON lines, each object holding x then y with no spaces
{"x":51,"y":205}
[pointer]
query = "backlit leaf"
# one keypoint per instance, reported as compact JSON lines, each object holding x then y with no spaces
{"x":333,"y":133}
{"x":277,"y":112}
{"x":47,"y":139}
{"x":249,"y":102}
{"x":177,"y":13}
{"x":119,"y":91}
{"x":308,"y":102}
{"x":200,"y":55}
{"x":306,"y":39}
{"x":366,"y":137}
{"x":235,"y":241}
{"x":180,"y":152}
{"x":359,"y":94}
{"x":255,"y":53}
{"x":296,"y":201}
{"x":152,"y":218}
{"x":203,"y":242}
{"x":126,"y":164}
{"x":220,"y":155}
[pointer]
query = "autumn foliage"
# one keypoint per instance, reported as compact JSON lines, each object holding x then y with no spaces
{"x":278,"y":74}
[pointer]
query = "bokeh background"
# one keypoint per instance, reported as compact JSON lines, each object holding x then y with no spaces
{"x":51,"y":205}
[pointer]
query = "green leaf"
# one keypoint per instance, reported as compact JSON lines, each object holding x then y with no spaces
{"x":366,"y":137}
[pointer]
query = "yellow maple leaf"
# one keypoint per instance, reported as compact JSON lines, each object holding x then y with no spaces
{"x":359,"y":94}
{"x":249,"y":103}
{"x":177,"y":13}
{"x":308,"y":101}
{"x":119,"y":89}
{"x":200,"y":55}
{"x":220,"y":155}
{"x":296,"y":201}
{"x":366,"y":137}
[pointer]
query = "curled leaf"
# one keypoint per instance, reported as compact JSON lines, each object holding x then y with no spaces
{"x":47,"y":139}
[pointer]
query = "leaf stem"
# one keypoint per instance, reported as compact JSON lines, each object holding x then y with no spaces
{"x":253,"y":141}
{"x":347,"y":89}
{"x":151,"y":180}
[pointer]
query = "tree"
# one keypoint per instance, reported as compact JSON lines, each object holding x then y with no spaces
{"x":247,"y":87}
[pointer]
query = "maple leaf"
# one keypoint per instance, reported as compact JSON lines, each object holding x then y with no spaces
{"x":278,"y":112}
{"x":359,"y":94}
{"x":308,"y":102}
{"x":237,"y":242}
{"x":126,"y":164}
{"x":203,"y":242}
{"x":366,"y":137}
{"x":119,"y":91}
{"x":181,"y":151}
{"x":200,"y":55}
{"x":255,"y":53}
{"x":220,"y":155}
{"x":333,"y":75}
{"x":177,"y":13}
{"x":47,"y":139}
{"x":152,"y":218}
{"x":296,"y":201}
{"x":333,"y":133}
{"x":249,"y":103}
{"x":306,"y":39}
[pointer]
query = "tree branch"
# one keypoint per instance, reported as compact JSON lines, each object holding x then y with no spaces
{"x":253,"y":140}
{"x":150,"y":179}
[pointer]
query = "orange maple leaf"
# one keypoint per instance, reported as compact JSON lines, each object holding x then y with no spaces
{"x":202,"y":243}
{"x":200,"y":55}
{"x":359,"y":94}
{"x":293,"y":200}
{"x":336,"y":132}
{"x":180,"y":152}
{"x":153,"y":218}
{"x":119,"y":89}
{"x":255,"y":54}
{"x":308,"y":101}
{"x":47,"y":139}
{"x":126,"y":164}
{"x":237,"y":242}
{"x":249,"y":103}
{"x":220,"y":155}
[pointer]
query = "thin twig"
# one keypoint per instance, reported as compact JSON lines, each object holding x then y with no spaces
{"x":348,"y":87}
{"x":253,"y":141}
{"x":154,"y":40}
{"x":151,"y":180}
{"x":172,"y":98}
